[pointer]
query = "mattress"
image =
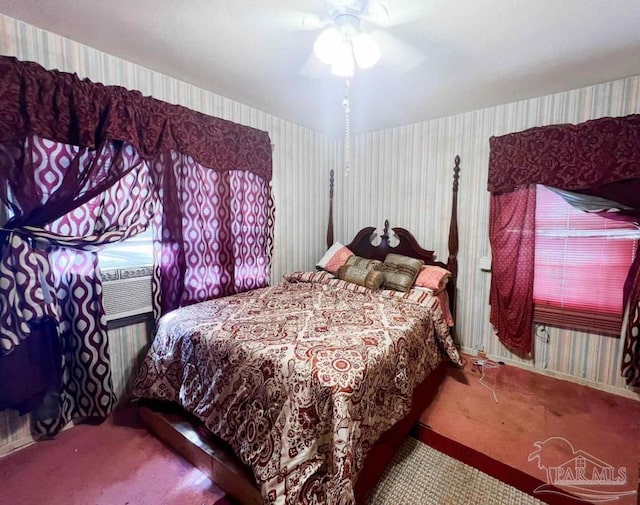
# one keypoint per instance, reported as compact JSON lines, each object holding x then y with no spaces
{"x":300,"y":378}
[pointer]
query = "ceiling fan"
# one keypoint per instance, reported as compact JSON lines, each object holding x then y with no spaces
{"x":351,"y":33}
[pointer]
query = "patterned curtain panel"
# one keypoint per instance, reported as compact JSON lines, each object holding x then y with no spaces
{"x":631,"y":353}
{"x":599,"y":158}
{"x":51,"y":286}
{"x":75,"y":160}
{"x":213,"y":232}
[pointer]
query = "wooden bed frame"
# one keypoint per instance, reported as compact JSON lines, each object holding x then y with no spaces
{"x":190,"y":439}
{"x":407,"y":244}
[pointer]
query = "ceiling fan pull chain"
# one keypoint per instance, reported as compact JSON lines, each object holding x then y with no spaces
{"x":347,"y":133}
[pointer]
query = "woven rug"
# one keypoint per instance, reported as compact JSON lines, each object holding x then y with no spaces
{"x":420,"y":475}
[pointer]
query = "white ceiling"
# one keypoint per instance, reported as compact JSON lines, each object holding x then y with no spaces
{"x":478,"y":53}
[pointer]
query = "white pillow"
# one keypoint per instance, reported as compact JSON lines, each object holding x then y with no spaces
{"x":334,"y":258}
{"x":328,"y":255}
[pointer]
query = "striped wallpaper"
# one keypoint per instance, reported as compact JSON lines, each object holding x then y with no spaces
{"x":300,"y":169}
{"x":402,"y":174}
{"x":405,"y":174}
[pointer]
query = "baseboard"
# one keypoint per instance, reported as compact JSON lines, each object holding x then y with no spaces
{"x":22,"y":443}
{"x":627,"y":393}
{"x":14,"y":446}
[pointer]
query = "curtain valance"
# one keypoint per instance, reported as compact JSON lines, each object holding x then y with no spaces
{"x":568,"y":156}
{"x":61,"y":107}
{"x":598,"y":158}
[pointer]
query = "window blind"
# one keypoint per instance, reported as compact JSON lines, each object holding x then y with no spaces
{"x":581,"y":263}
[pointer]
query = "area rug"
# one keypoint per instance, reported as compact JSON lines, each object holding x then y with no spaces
{"x":494,"y":468}
{"x":421,"y":475}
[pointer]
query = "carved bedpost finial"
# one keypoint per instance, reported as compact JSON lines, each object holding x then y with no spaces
{"x":330,"y":224}
{"x":385,"y":232}
{"x":452,"y":261}
{"x":456,"y":173}
{"x":331,"y":182}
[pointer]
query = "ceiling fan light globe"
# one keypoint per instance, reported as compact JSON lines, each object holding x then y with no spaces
{"x":343,"y":64}
{"x":365,"y":50}
{"x":342,"y":71}
{"x":328,"y":45}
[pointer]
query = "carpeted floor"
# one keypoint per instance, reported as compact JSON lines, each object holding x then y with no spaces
{"x":420,"y":475}
{"x":465,"y":422}
{"x":119,"y":463}
{"x":115,"y":463}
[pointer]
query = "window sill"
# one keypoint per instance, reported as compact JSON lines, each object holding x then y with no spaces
{"x":591,"y":322}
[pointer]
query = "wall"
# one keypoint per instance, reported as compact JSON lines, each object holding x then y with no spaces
{"x":404,"y":174}
{"x":300,"y":162}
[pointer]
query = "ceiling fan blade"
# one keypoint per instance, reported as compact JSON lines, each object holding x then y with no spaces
{"x":286,"y":20}
{"x":396,"y":54}
{"x":376,"y":12}
{"x":313,"y":68}
{"x":260,"y":15}
{"x":386,"y":13}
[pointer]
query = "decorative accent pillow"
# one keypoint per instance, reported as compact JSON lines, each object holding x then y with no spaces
{"x":334,"y":258}
{"x":364,"y":263}
{"x":321,"y":277}
{"x":433,"y":277}
{"x":400,"y":271}
{"x":372,"y":279}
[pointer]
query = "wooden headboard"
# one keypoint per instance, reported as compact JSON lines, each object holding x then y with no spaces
{"x":403,"y":242}
{"x":364,"y":244}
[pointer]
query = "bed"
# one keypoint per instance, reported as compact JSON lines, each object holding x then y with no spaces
{"x":301,"y":392}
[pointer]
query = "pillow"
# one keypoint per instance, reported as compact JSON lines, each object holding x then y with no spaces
{"x":433,"y":277}
{"x":372,"y":279}
{"x":400,"y":271}
{"x":364,"y":263}
{"x":321,"y":277}
{"x":334,"y":258}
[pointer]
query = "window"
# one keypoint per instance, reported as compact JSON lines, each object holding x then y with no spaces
{"x":135,"y":251}
{"x":581,"y":263}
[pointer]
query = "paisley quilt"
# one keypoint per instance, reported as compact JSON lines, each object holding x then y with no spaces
{"x":300,"y":378}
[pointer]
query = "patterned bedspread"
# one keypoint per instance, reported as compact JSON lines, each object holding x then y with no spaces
{"x":300,"y":378}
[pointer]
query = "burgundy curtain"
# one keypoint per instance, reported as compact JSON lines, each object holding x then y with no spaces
{"x":600,"y":158}
{"x":512,"y":237}
{"x":82,"y":165}
{"x":213,"y":233}
{"x":61,"y":107}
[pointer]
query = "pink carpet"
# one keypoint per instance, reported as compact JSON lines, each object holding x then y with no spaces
{"x":531,"y":408}
{"x":117,"y":462}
